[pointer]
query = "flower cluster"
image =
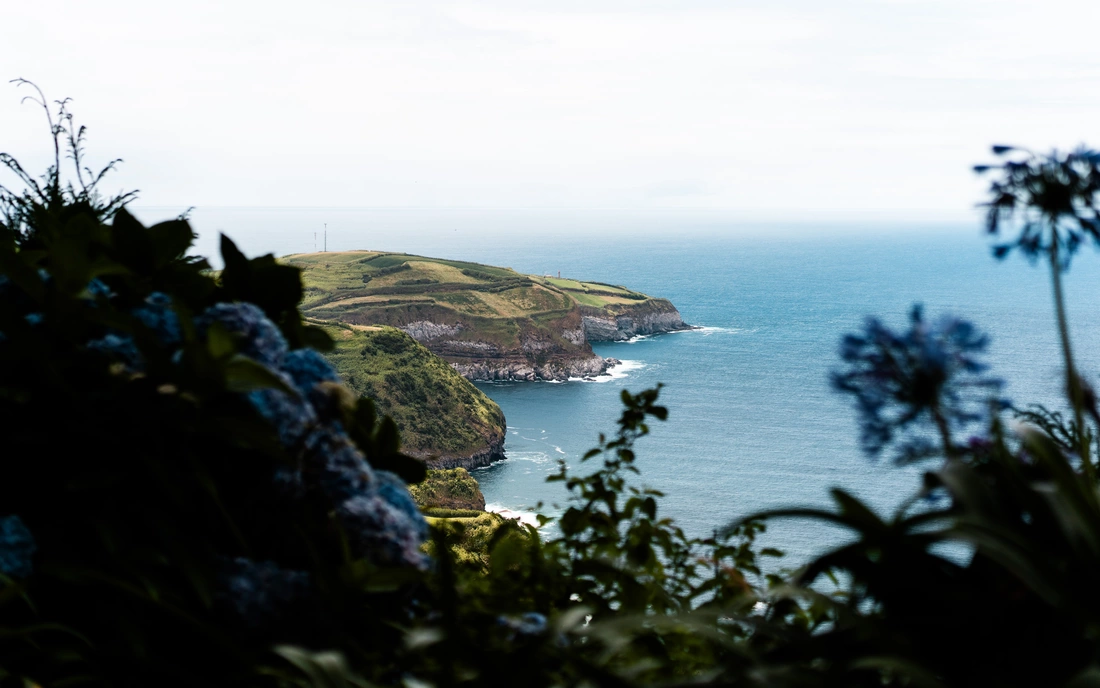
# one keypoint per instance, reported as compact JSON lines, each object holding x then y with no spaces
{"x":374,"y":508}
{"x":1051,"y":197}
{"x":260,"y":593}
{"x":17,"y":547}
{"x":925,"y":380}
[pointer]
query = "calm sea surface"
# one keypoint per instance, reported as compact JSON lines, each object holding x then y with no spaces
{"x":753,"y":424}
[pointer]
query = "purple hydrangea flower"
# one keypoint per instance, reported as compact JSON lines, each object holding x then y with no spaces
{"x":380,"y":532}
{"x":334,"y":464}
{"x":925,"y":380}
{"x":259,"y":338}
{"x":306,"y":367}
{"x":261,"y":592}
{"x":157,"y":315}
{"x":17,"y":548}
{"x":393,"y":489}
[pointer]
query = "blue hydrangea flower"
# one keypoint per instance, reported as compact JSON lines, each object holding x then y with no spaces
{"x":259,"y":338}
{"x":912,"y":385}
{"x":98,"y":289}
{"x":529,"y":624}
{"x":291,"y":416}
{"x":393,"y":489}
{"x":381,"y":533}
{"x":261,"y":592}
{"x":306,"y":367}
{"x":118,"y":348}
{"x":17,"y":548}
{"x":157,"y":315}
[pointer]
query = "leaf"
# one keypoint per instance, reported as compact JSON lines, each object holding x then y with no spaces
{"x":317,"y":338}
{"x":242,"y":374}
{"x":219,"y":342}
{"x":170,"y":240}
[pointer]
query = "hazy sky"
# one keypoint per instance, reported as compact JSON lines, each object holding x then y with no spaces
{"x":785,"y":105}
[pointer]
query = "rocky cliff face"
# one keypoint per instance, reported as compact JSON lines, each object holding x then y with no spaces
{"x":492,"y":452}
{"x":557,"y":349}
{"x":620,"y":323}
{"x":487,"y":370}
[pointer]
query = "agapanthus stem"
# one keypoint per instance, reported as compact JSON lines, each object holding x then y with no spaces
{"x":1073,"y":384}
{"x":945,"y":432}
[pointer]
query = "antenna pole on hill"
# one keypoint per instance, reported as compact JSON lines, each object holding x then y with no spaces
{"x":315,"y":241}
{"x":326,"y":237}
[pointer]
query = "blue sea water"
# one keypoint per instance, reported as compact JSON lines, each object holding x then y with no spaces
{"x":753,"y":423}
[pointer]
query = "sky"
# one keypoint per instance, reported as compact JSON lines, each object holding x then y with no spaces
{"x":782,"y":107}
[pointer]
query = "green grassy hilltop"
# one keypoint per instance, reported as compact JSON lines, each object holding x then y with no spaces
{"x":488,"y":322}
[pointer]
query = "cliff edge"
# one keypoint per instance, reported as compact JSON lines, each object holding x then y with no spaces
{"x":443,"y":418}
{"x":488,"y":323}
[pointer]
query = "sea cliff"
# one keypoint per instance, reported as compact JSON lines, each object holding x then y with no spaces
{"x":487,"y":322}
{"x":443,"y":418}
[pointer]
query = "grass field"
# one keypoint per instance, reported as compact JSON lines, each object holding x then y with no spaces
{"x":339,"y":282}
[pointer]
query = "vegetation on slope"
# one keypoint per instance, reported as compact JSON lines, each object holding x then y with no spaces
{"x":438,"y":412}
{"x":469,"y":535}
{"x":452,"y":488}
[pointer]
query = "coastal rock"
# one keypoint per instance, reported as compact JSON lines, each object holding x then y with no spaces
{"x":652,"y":317}
{"x":556,"y":370}
{"x":425,"y":330}
{"x":491,"y":453}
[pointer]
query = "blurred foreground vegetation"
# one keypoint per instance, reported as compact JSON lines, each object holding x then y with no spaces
{"x":191,"y":497}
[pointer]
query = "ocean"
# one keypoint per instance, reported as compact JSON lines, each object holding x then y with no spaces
{"x":753,"y":423}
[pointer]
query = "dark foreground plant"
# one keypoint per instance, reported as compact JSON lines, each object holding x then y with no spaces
{"x":189,"y":496}
{"x":1051,"y":201}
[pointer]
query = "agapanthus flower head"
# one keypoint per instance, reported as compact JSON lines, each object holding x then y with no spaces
{"x":910,"y":385}
{"x":257,"y":336}
{"x":306,"y":367}
{"x":1049,"y":198}
{"x":260,"y":592}
{"x":158,"y":315}
{"x":17,"y":548}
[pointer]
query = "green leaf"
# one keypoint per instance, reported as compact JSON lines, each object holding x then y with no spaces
{"x":242,"y":374}
{"x":170,"y":240}
{"x":219,"y":342}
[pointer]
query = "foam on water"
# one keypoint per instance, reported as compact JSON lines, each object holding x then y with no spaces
{"x":525,"y":517}
{"x":617,"y":372}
